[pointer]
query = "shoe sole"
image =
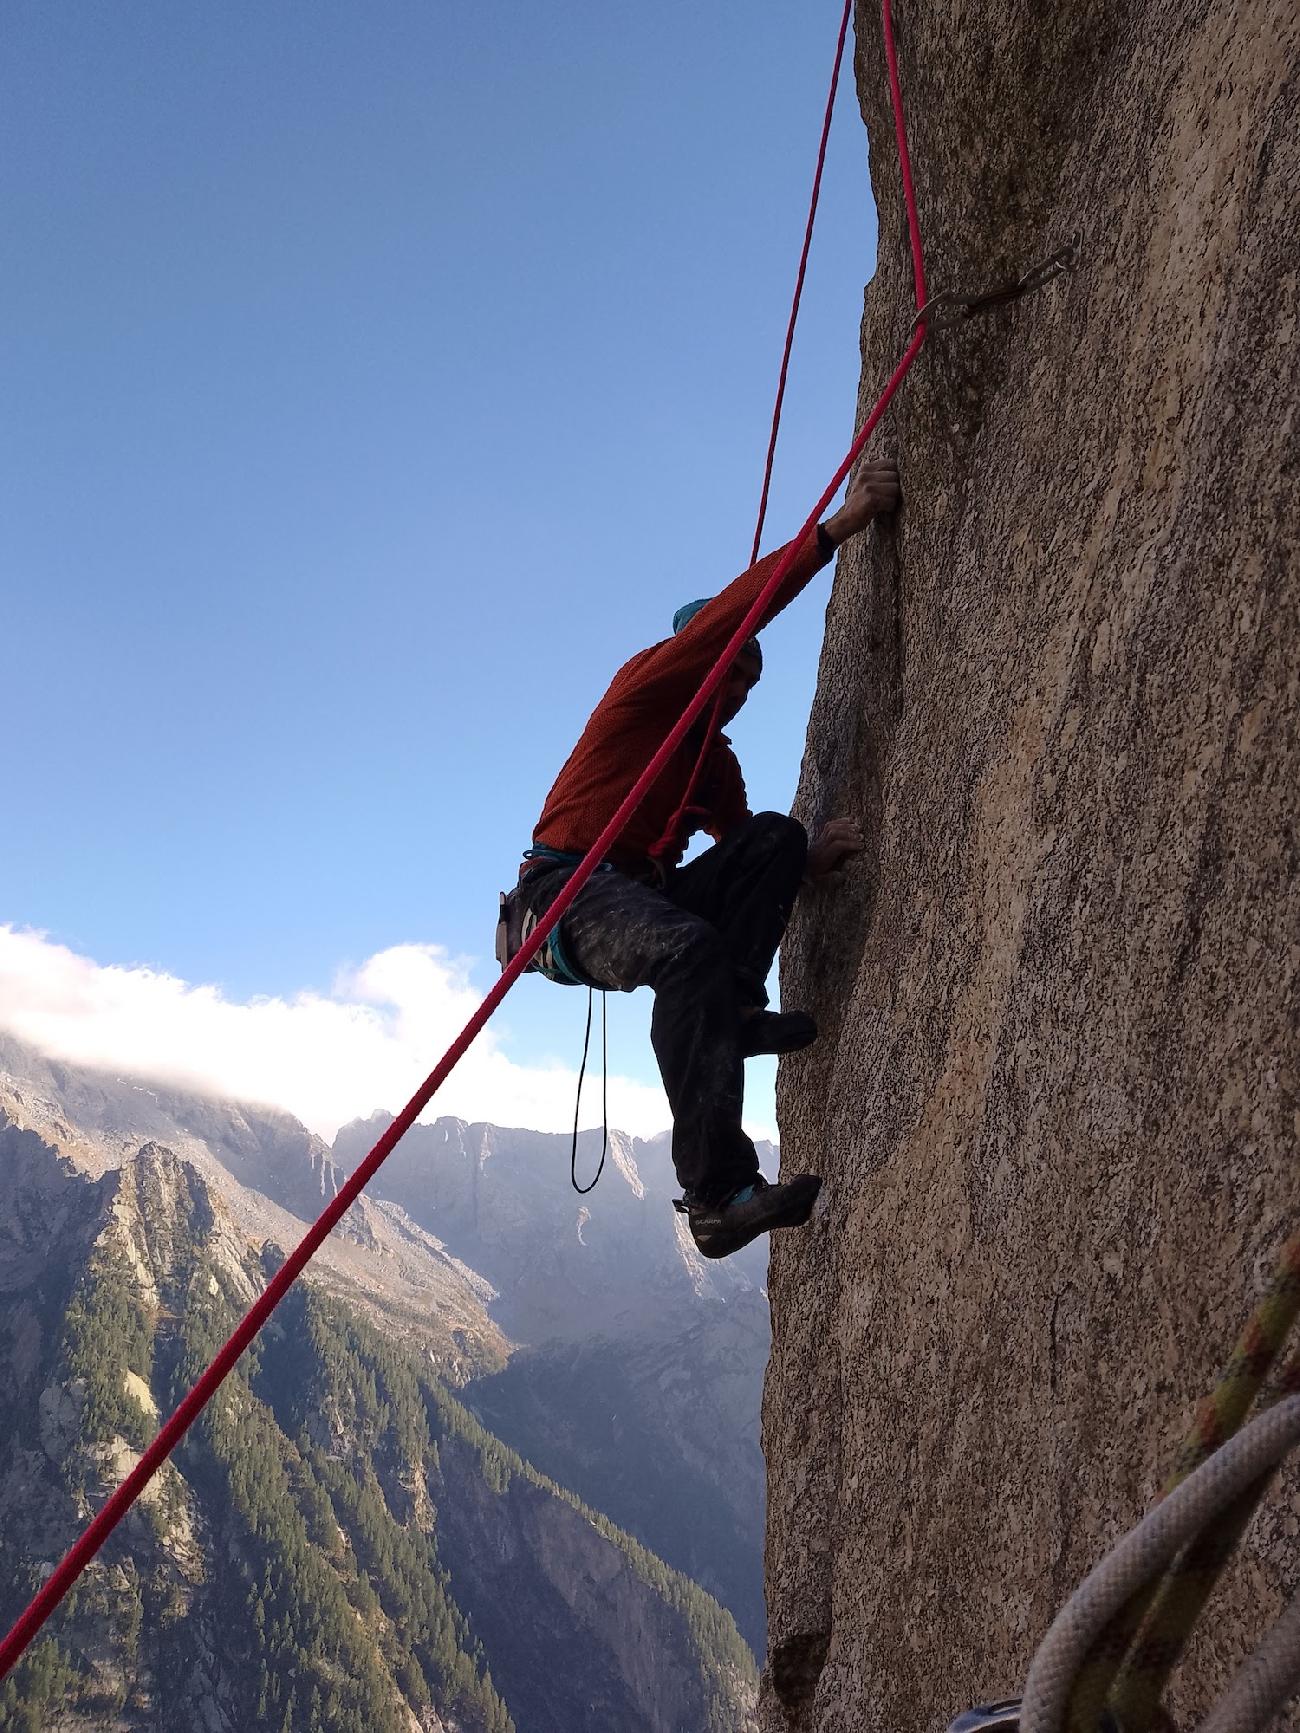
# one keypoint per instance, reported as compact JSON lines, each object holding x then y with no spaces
{"x":793,"y":1212}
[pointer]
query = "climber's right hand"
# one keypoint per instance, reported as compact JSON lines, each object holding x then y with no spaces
{"x":873,"y":490}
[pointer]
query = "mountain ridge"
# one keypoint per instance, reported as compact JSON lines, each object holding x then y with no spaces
{"x":386,"y":1270}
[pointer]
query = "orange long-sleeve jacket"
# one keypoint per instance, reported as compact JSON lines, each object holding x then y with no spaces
{"x":632,"y":720}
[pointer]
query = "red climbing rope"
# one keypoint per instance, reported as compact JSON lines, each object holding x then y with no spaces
{"x":904,"y":160}
{"x":799,"y":277}
{"x":115,"y":1508}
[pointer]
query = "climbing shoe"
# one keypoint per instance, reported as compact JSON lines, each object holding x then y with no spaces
{"x":720,"y":1229}
{"x":776,"y":1032}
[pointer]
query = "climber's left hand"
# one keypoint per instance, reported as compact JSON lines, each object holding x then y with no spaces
{"x":834,"y":846}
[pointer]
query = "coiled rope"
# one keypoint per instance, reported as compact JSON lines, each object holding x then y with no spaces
{"x":1216,"y":1487}
{"x":1106,"y":1661}
{"x":1132,"y":1657}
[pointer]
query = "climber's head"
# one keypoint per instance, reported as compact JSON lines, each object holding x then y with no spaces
{"x":744,"y":672}
{"x":742,"y":677}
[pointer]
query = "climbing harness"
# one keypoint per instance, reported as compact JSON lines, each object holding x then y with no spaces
{"x":1106,"y":1661}
{"x":174,"y":1428}
{"x":941,"y":312}
{"x":516,"y":923}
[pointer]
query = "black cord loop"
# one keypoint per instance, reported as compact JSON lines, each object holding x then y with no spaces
{"x":582,"y":1190}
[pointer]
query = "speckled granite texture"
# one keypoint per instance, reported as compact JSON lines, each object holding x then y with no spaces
{"x":1057,"y":1102}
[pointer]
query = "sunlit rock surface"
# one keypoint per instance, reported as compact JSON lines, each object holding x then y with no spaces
{"x":1056,"y":1103}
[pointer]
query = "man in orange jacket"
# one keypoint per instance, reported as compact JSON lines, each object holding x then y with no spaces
{"x":704,"y":935}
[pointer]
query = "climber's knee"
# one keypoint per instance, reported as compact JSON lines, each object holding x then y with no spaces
{"x":779,"y":835}
{"x":698,"y":951}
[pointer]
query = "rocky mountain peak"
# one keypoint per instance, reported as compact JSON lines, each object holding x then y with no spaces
{"x":337,"y":1542}
{"x":161,"y":1211}
{"x":659,"y":1355}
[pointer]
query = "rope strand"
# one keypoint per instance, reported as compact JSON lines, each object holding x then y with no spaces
{"x":1132,"y":1657}
{"x":1211,"y":1489}
{"x":799,"y":277}
{"x":582,"y":1190}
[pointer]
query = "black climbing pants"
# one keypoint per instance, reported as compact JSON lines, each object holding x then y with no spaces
{"x":705,"y":942}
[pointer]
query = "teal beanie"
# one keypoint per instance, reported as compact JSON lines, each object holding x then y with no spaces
{"x":689,"y":610}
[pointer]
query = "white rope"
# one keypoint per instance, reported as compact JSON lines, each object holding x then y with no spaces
{"x":1146,"y":1551}
{"x":1261,"y":1688}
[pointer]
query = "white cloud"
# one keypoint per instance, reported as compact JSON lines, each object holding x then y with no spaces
{"x":325,"y":1058}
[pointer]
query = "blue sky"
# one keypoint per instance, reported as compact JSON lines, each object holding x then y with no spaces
{"x":376,"y":378}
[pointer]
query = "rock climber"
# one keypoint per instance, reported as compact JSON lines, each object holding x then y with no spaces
{"x":703,"y":935}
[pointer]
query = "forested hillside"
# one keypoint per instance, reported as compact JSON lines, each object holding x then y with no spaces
{"x":338,"y":1546}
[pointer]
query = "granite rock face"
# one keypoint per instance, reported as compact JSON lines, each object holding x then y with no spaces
{"x":1057,"y":1102}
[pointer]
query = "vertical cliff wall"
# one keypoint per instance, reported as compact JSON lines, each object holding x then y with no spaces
{"x":1057,"y":1103}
